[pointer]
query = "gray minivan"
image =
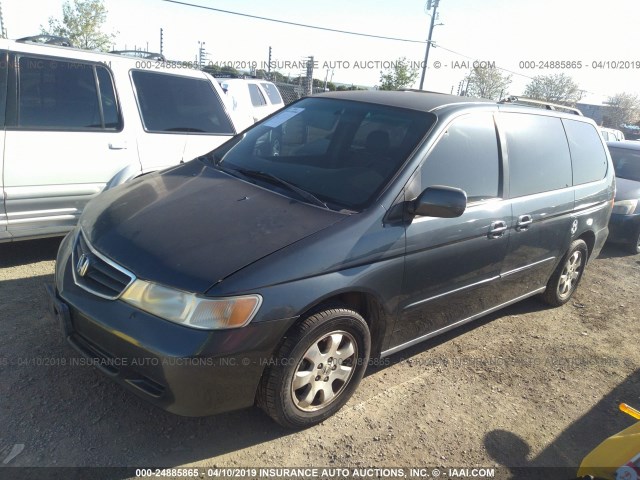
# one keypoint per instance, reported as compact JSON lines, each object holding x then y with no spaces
{"x":274,"y":276}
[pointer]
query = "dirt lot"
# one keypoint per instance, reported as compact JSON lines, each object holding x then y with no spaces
{"x":526,"y":386}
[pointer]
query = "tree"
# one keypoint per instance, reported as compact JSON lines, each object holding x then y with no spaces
{"x":624,"y":109}
{"x":214,"y":69}
{"x":82,"y":23}
{"x":399,"y":76}
{"x":558,"y":88}
{"x":487,"y":83}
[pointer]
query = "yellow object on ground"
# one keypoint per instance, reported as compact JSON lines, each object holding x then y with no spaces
{"x":612,"y":454}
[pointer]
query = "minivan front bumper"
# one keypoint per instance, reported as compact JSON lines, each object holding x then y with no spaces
{"x":182,"y":370}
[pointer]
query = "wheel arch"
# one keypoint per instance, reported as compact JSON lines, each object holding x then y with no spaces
{"x":367,"y":304}
{"x":589,"y":237}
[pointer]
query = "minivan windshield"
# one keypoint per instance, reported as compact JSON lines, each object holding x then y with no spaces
{"x":328,"y":152}
{"x":626,"y":163}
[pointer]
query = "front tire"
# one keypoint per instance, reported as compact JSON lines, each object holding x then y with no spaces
{"x":567,"y":276}
{"x":317,"y":368}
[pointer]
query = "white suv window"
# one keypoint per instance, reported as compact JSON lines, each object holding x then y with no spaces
{"x":64,"y":94}
{"x":272,"y":93}
{"x":171,"y":103}
{"x":257,"y":99}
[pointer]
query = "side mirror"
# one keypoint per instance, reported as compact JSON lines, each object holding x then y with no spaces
{"x":439,"y":201}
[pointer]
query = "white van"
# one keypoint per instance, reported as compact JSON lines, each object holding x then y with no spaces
{"x":251,"y":99}
{"x":75,"y":123}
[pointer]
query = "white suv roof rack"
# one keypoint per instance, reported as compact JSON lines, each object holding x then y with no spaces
{"x":47,"y":39}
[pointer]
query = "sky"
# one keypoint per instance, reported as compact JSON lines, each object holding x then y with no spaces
{"x":524,"y":38}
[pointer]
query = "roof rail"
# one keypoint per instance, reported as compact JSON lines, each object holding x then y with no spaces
{"x":420,"y":91}
{"x":141,"y":54}
{"x":47,"y":39}
{"x":540,"y":104}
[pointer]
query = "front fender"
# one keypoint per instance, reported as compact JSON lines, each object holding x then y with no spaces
{"x":129,"y":172}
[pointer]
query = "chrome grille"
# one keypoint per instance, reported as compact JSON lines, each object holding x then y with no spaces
{"x":96,"y":273}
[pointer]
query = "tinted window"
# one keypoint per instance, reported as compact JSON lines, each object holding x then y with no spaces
{"x":257,"y":99}
{"x":539,"y":158}
{"x":626,"y":163}
{"x":170,"y":103}
{"x":466,"y":157}
{"x":57,"y":94}
{"x":108,"y":98}
{"x":340,"y":151}
{"x":272,"y":93}
{"x":587,"y":152}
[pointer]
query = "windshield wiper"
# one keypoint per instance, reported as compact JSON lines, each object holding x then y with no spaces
{"x":308,"y":196}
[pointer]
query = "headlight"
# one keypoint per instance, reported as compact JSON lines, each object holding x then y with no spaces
{"x":190,"y":309}
{"x":625,"y":207}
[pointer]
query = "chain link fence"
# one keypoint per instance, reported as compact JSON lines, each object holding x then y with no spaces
{"x":292,"y":92}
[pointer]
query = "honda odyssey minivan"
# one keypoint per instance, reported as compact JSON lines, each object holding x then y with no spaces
{"x":270,"y":276}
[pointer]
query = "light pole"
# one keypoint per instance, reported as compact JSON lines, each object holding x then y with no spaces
{"x":435,"y":4}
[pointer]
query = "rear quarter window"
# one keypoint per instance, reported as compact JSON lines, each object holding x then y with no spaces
{"x":538,"y":153}
{"x":588,"y":155}
{"x":272,"y":93}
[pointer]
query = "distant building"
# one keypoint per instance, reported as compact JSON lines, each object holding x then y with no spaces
{"x":597,"y":112}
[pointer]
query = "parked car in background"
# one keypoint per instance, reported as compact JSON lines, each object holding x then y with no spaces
{"x":624,"y":226}
{"x":383,"y":219}
{"x":251,"y":99}
{"x":611,"y":134}
{"x":77,"y":122}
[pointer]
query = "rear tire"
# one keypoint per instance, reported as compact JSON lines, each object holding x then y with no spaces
{"x":317,"y":368}
{"x":634,"y":246}
{"x":566,"y":277}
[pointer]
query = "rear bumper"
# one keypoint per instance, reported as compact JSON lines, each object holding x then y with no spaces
{"x":182,"y":370}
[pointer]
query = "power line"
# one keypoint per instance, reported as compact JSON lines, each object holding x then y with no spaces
{"x":346,"y":32}
{"x":286,"y":22}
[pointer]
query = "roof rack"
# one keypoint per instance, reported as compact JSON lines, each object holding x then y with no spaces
{"x":141,"y":54}
{"x":540,"y":104}
{"x":223,"y":75}
{"x":47,"y":39}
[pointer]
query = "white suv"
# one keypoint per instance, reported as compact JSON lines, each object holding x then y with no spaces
{"x":77,"y":122}
{"x":251,"y":99}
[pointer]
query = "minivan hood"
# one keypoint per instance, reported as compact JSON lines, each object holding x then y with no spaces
{"x":627,"y":189}
{"x":193,"y":225}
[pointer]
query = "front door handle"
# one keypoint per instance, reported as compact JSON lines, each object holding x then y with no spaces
{"x":117,"y":145}
{"x":498,"y":229}
{"x":523,"y":222}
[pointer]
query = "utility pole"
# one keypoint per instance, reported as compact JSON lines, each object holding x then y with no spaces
{"x":309,"y":89}
{"x":201,"y":55}
{"x":269,"y":65}
{"x":434,"y":4}
{"x":161,"y":41}
{"x":3,"y":31}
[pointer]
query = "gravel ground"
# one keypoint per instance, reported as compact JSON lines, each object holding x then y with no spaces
{"x":526,"y":386}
